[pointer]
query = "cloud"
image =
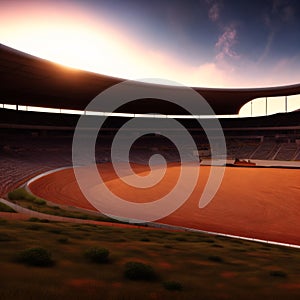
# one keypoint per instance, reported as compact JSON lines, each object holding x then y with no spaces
{"x":280,"y":14}
{"x":267,"y":47}
{"x":214,"y":12}
{"x":225,"y":43}
{"x":288,"y":14}
{"x":208,"y":74}
{"x":283,"y":10}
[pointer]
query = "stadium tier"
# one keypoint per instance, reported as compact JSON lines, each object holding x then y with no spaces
{"x":34,"y":142}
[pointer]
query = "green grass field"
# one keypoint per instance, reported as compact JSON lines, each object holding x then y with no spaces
{"x":21,"y":197}
{"x":5,"y":208}
{"x":187,"y":265}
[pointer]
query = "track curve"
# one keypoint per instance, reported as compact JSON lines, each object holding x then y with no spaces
{"x":261,"y":203}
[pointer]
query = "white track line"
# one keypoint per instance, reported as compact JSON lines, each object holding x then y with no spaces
{"x":166,"y":226}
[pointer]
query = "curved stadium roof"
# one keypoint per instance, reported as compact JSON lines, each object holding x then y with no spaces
{"x":32,"y":81}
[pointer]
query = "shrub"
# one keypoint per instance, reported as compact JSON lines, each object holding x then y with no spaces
{"x":63,"y":240}
{"x":172,"y":285}
{"x":45,"y":221}
{"x":217,"y":246}
{"x":55,"y":207}
{"x":278,"y":273}
{"x":180,"y":239}
{"x":55,"y":230}
{"x":215,"y":258}
{"x":39,"y":201}
{"x":210,"y":241}
{"x":145,"y":240}
{"x":35,"y":257}
{"x":139,"y":271}
{"x":33,"y":219}
{"x":20,"y":194}
{"x":34,"y":227}
{"x":4,"y":237}
{"x":6,"y":208}
{"x":97,"y":255}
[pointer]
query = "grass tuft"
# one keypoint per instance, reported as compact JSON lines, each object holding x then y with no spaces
{"x":278,"y":273}
{"x":216,"y":258}
{"x":145,"y":240}
{"x":6,"y":208}
{"x":4,"y":237}
{"x":38,"y":257}
{"x":39,"y":201}
{"x":139,"y":271}
{"x":22,"y":194}
{"x":172,"y":285}
{"x":63,"y":240}
{"x":97,"y":255}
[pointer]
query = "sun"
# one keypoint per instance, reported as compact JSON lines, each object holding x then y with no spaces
{"x":74,"y":39}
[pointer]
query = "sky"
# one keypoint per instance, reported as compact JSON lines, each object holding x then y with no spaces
{"x":204,"y":43}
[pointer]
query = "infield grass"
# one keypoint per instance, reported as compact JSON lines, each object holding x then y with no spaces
{"x":204,"y":266}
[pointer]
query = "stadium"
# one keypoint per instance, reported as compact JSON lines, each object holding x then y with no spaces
{"x":257,"y":199}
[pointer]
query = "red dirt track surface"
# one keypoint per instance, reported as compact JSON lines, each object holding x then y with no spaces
{"x":261,"y":203}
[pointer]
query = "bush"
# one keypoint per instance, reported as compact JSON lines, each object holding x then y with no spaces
{"x":63,"y":240}
{"x":39,"y":201}
{"x":34,"y":227}
{"x":39,"y":257}
{"x":4,"y":237}
{"x":217,"y":246}
{"x":33,"y":219}
{"x":278,"y":273}
{"x":55,"y":230}
{"x":6,"y":208}
{"x":45,"y":221}
{"x":145,"y":240}
{"x":215,"y":258}
{"x":139,"y":271}
{"x":55,"y":207}
{"x":172,"y":285}
{"x":97,"y":255}
{"x":20,"y":194}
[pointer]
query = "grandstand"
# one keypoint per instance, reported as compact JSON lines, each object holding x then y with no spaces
{"x":35,"y":142}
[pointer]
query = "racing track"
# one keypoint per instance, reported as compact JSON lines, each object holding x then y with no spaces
{"x":260,"y":203}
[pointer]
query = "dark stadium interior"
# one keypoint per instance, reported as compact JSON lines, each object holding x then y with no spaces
{"x":34,"y":142}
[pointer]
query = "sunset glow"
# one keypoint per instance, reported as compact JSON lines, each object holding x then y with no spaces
{"x":200,"y":44}
{"x":73,"y":40}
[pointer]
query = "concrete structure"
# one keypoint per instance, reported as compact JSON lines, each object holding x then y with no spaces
{"x":28,"y":80}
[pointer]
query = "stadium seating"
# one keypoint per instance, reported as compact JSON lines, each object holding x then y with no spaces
{"x":35,"y":142}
